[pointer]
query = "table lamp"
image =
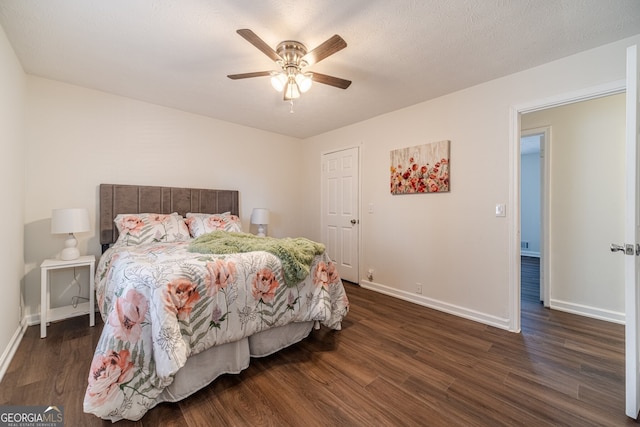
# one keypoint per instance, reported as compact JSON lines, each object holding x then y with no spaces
{"x":260,"y":217}
{"x":70,"y":221}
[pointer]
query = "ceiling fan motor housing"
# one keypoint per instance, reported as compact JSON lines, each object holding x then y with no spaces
{"x":291,"y":53}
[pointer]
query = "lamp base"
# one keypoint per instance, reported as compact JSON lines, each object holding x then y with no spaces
{"x":70,"y":252}
{"x":261,"y":231}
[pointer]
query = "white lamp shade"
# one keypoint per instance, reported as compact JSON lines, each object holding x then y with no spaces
{"x":74,"y":220}
{"x":278,"y":81}
{"x":304,"y":82}
{"x":260,"y":216}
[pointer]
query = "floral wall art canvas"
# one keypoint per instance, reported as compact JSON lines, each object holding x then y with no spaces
{"x":420,"y":169}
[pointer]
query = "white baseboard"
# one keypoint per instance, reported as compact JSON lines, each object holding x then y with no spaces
{"x":582,"y":310}
{"x":587,"y":311}
{"x":10,"y":351}
{"x":530,"y":253}
{"x":32,"y":319}
{"x":487,"y":319}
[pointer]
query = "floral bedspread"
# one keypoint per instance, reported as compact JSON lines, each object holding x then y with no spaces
{"x":160,"y":304}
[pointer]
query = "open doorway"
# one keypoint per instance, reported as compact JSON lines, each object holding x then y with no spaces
{"x":534,"y":213}
{"x":582,"y":168}
{"x":531,"y":193}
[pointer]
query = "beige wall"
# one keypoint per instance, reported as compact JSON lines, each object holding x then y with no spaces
{"x":78,"y":138}
{"x":587,"y":155}
{"x":12,"y":88}
{"x":453,"y":243}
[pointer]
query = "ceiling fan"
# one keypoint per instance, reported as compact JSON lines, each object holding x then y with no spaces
{"x":292,"y":57}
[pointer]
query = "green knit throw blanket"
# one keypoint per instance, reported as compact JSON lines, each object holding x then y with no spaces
{"x":296,"y":254}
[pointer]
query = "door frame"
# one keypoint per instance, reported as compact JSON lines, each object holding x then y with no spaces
{"x":358,"y":196}
{"x":631,"y":232}
{"x":513,"y":209}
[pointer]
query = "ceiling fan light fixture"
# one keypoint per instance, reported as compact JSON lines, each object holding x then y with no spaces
{"x":291,"y":91}
{"x":304,"y":80}
{"x":292,"y":57}
{"x":278,"y":81}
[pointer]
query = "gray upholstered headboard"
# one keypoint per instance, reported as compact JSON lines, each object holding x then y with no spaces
{"x":122,"y":199}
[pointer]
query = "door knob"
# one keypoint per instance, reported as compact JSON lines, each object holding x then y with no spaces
{"x":616,"y":248}
{"x":626,"y":249}
{"x":354,"y":222}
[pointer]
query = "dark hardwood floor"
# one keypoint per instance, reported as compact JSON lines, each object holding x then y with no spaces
{"x":530,"y":279}
{"x":393,"y":364}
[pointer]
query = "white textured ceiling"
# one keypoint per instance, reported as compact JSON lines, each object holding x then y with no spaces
{"x":177,"y":53}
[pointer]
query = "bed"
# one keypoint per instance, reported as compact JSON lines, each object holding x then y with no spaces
{"x":178,"y":312}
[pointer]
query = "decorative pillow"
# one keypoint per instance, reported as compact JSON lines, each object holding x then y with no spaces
{"x":200,"y":224}
{"x":137,"y":229}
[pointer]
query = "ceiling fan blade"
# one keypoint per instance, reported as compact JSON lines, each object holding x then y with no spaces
{"x":249,"y":75}
{"x":252,"y":38}
{"x":330,"y":80}
{"x":329,"y":47}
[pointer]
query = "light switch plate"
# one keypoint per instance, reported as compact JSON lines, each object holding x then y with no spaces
{"x":501,"y":209}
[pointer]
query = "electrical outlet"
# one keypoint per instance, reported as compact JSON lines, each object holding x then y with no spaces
{"x":418,"y":288}
{"x":370,"y":275}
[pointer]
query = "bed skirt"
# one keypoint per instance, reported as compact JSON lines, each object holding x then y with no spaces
{"x":231,"y":358}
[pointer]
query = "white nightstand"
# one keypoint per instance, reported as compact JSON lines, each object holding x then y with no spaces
{"x":50,"y":315}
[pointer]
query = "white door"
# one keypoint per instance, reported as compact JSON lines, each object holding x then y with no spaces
{"x":632,"y":228}
{"x":340,"y":219}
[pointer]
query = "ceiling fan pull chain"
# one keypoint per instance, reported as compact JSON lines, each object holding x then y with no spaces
{"x":291,"y":102}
